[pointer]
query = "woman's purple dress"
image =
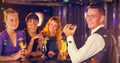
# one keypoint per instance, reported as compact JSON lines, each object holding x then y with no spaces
{"x":6,"y":46}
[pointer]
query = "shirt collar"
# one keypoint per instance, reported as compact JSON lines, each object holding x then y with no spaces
{"x":95,"y":29}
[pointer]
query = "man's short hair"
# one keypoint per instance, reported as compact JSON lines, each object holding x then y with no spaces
{"x":98,"y":6}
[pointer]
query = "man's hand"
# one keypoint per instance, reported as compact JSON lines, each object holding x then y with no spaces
{"x":69,"y":29}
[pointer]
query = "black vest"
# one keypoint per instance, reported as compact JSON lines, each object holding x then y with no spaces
{"x":108,"y":54}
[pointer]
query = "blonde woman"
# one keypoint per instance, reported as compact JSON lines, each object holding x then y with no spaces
{"x":10,"y":37}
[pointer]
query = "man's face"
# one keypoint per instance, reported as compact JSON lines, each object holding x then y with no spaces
{"x":93,"y":18}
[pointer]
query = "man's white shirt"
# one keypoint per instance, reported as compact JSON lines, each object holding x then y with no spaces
{"x":94,"y":44}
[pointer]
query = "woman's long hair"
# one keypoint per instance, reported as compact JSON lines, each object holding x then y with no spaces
{"x":46,"y":32}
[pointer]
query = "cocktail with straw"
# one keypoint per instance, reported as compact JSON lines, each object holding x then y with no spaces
{"x":63,"y":50}
{"x":22,"y":45}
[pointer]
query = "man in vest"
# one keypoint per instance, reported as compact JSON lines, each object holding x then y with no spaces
{"x":99,"y":46}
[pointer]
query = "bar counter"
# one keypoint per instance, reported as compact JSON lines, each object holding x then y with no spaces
{"x":37,"y":60}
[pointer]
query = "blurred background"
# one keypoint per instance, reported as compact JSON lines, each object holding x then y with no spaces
{"x":69,"y":11}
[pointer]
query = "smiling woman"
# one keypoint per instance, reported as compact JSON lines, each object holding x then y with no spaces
{"x":9,"y":38}
{"x":32,"y":21}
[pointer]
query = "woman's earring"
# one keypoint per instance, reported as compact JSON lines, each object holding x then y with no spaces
{"x":6,"y":25}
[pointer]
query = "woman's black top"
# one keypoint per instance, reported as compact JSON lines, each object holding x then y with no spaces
{"x":52,"y":46}
{"x":28,"y":38}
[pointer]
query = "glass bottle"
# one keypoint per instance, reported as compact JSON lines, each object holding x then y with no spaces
{"x":44,"y":48}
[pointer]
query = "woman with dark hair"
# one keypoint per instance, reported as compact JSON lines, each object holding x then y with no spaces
{"x":32,"y":37}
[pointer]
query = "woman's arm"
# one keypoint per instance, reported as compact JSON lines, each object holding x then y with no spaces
{"x":30,"y":46}
{"x":14,"y":56}
{"x":38,"y":51}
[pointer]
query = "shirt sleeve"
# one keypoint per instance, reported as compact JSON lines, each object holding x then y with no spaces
{"x":93,"y":45}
